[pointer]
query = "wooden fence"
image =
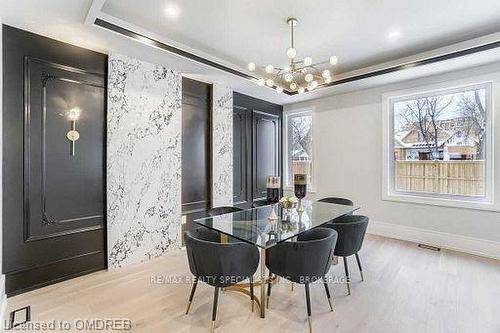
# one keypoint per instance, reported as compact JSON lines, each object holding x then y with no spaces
{"x":446,"y":177}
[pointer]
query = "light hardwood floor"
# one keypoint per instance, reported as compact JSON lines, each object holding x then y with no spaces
{"x":406,"y":289}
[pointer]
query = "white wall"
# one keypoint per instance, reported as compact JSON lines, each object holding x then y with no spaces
{"x":348,"y":156}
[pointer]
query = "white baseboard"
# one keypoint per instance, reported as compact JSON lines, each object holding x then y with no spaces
{"x":3,"y":308}
{"x":3,"y":301}
{"x":476,"y":246}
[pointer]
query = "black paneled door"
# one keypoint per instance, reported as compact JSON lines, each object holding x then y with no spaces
{"x":256,"y":147}
{"x":196,"y":148}
{"x":265,"y":151}
{"x":54,"y":196}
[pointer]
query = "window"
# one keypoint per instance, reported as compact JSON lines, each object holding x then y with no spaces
{"x":438,"y":145}
{"x":299,"y":148}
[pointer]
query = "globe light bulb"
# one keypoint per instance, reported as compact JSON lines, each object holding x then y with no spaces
{"x":314,"y":84}
{"x":328,"y":80}
{"x":74,"y":114}
{"x":288,"y":77}
{"x":291,"y":53}
{"x":269,"y":69}
{"x":261,"y":82}
{"x":325,"y":73}
{"x":279,"y":89}
{"x":309,"y":87}
{"x":333,"y":60}
{"x":269,"y":82}
{"x":293,"y":85}
{"x":301,"y":90}
{"x":309,"y":77}
{"x":308,"y":61}
{"x":251,"y":66}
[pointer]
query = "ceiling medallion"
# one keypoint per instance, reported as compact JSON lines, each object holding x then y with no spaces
{"x":300,"y":74}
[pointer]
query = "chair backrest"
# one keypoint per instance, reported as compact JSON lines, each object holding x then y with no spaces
{"x":219,"y":264}
{"x":306,"y":260}
{"x":223,"y":210}
{"x":260,"y":203}
{"x":338,"y":201}
{"x":351,"y":231}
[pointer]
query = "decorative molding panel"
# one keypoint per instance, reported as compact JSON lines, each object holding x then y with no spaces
{"x":222,"y":129}
{"x":475,"y":246}
{"x":143,"y":160}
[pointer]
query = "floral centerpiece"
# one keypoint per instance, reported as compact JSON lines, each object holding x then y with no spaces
{"x":288,"y":202}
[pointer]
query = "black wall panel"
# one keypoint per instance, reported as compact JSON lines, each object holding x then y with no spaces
{"x":54,"y":207}
{"x":257,"y":151}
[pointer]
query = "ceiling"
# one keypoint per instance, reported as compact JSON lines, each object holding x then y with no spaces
{"x":364,"y":34}
{"x":357,"y":31}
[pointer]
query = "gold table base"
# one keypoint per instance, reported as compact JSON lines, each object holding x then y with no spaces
{"x":244,"y":289}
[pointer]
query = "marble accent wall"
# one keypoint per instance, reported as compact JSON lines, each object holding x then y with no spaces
{"x":222,"y":138}
{"x":143,"y":160}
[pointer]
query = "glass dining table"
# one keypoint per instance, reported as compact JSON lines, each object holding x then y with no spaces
{"x":254,"y":227}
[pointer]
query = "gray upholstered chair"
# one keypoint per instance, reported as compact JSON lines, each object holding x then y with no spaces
{"x":351,"y":231}
{"x":304,"y":261}
{"x":338,"y":201}
{"x":219,"y":264}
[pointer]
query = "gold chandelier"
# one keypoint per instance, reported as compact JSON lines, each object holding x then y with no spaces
{"x":300,"y":74}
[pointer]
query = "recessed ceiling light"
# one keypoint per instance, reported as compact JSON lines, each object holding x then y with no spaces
{"x":393,"y":35}
{"x":172,"y":11}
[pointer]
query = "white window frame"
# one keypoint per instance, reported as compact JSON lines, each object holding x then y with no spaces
{"x":388,"y":191}
{"x":288,"y":183}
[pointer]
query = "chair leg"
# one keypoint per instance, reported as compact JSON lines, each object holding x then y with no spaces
{"x":328,"y":294}
{"x":269,"y":289}
{"x":348,"y":279}
{"x":193,"y":289}
{"x":359,"y":265}
{"x":214,"y":309}
{"x":308,"y":302}
{"x":251,"y":292}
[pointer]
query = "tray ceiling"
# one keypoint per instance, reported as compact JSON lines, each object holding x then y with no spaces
{"x":361,"y":33}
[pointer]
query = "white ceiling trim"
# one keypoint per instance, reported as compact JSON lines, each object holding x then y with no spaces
{"x":95,"y":12}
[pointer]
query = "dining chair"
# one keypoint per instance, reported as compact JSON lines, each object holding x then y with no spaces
{"x":351,"y":231}
{"x":304,"y":261}
{"x":219,"y":264}
{"x":260,"y":203}
{"x":223,"y":210}
{"x":338,"y":201}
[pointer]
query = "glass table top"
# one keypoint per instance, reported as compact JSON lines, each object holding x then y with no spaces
{"x":254,"y":226}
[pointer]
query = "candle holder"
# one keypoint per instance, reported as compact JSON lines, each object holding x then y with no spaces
{"x":300,"y":189}
{"x":273,"y":186}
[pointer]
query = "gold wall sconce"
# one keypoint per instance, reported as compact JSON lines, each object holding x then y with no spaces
{"x":73,"y":134}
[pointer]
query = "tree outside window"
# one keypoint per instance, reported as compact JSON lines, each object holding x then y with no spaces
{"x":299,"y":145}
{"x":439,"y":142}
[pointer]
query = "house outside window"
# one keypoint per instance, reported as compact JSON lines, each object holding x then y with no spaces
{"x":438,"y":145}
{"x":299,"y":146}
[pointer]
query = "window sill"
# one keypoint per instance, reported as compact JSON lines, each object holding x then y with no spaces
{"x":443,"y":202}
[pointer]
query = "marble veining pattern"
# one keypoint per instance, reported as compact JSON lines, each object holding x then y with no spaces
{"x":222,"y":124}
{"x":143,"y":160}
